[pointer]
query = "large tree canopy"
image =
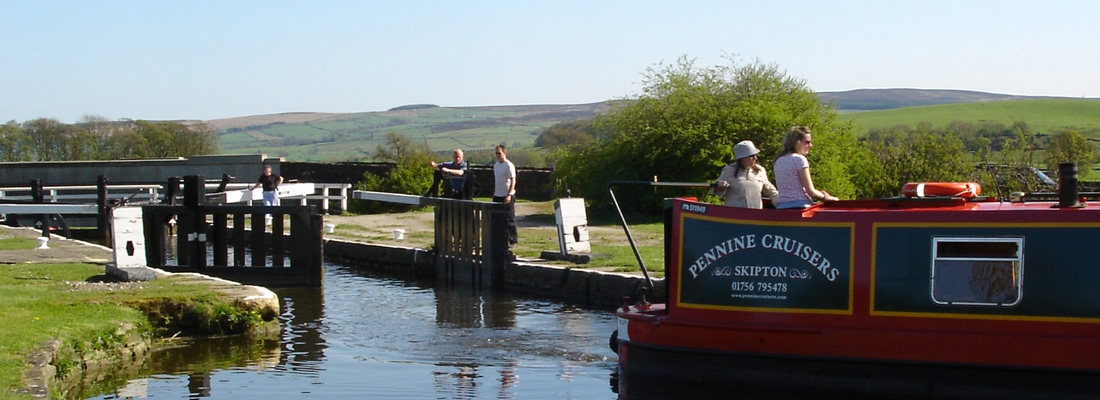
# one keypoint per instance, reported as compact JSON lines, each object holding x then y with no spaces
{"x":1070,"y":146}
{"x":95,"y":138}
{"x":684,"y":125}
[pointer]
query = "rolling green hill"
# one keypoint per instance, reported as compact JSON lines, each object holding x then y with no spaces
{"x":354,"y":136}
{"x":1043,"y":115}
{"x":350,"y":137}
{"x":883,"y":99}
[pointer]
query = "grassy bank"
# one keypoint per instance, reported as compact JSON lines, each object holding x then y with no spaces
{"x":610,"y":248}
{"x":55,"y":302}
{"x":537,"y":233}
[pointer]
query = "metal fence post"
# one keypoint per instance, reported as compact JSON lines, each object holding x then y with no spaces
{"x":103,"y":222}
{"x":37,"y":198}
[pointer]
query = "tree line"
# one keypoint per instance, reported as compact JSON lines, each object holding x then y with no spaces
{"x":684,"y":124}
{"x":96,"y":138}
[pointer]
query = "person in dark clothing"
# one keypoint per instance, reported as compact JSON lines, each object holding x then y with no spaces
{"x":270,"y":184}
{"x":455,"y":172}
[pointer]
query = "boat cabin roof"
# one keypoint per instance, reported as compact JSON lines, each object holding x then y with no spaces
{"x":937,"y":204}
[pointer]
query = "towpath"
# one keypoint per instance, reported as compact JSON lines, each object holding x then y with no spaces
{"x":534,"y":220}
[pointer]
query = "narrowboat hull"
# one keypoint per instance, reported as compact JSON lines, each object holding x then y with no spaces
{"x":661,"y":372}
{"x":938,"y":298}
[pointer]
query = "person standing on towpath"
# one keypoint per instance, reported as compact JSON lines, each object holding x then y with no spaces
{"x":504,"y":190}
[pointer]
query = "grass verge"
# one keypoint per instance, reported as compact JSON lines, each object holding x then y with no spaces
{"x":54,"y":301}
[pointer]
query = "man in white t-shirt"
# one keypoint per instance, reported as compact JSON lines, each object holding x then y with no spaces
{"x":504,"y":189}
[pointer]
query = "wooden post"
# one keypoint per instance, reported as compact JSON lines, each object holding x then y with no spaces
{"x":497,"y":256}
{"x":194,"y":198}
{"x":170,"y":190}
{"x":344,"y":197}
{"x":154,"y":221}
{"x":277,"y":240}
{"x":103,"y":222}
{"x":316,"y":247}
{"x":258,"y":245}
{"x":219,"y":231}
{"x":37,"y":198}
{"x":239,"y":241}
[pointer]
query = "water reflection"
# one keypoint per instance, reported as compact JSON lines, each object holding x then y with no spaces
{"x":192,"y":361}
{"x":467,"y":308}
{"x":303,"y":340}
{"x":369,"y":335}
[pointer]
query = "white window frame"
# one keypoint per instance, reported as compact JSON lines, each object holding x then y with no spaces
{"x":1019,"y":260}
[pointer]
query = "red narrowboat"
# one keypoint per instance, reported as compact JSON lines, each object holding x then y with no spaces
{"x":952,"y":297}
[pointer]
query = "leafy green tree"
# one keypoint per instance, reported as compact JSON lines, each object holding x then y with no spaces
{"x":95,"y":138}
{"x":13,"y":141}
{"x":1070,"y":146}
{"x":684,"y":125}
{"x":100,"y":129}
{"x":196,"y":139}
{"x":568,"y":133}
{"x":411,"y":173}
{"x":526,"y":157}
{"x":47,"y":139}
{"x":924,"y":156}
{"x":158,"y":139}
{"x":396,"y":148}
{"x":1012,"y":168}
{"x":80,"y":145}
{"x":172,"y":139}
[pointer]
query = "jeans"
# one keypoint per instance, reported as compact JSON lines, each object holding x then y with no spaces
{"x":786,"y":205}
{"x":513,"y":236}
{"x":271,"y":198}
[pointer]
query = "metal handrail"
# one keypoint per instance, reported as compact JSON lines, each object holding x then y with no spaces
{"x":655,"y":184}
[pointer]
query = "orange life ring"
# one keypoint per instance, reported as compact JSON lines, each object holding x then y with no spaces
{"x":965,"y":190}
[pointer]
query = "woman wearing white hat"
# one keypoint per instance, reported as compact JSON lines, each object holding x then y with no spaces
{"x":741,"y":184}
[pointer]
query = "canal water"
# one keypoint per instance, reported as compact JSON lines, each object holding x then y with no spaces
{"x":365,"y":335}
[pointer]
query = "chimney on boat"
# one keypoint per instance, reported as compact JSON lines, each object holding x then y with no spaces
{"x":1067,"y":185}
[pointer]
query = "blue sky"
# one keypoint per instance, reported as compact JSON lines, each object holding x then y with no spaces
{"x":220,"y":59}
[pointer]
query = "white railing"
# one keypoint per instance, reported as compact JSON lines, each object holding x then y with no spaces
{"x":326,"y":193}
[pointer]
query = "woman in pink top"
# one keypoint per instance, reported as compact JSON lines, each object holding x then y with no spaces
{"x":792,"y":172}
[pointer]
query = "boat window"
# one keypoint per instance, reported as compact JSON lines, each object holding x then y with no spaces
{"x":969,"y":271}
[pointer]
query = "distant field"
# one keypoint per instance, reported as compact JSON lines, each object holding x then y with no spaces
{"x":330,"y":137}
{"x":1043,"y":115}
{"x":350,"y":137}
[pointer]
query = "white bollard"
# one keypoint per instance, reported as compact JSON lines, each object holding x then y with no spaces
{"x":42,"y":240}
{"x":329,"y":228}
{"x":398,"y":234}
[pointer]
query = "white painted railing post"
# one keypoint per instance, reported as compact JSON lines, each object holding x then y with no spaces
{"x":344,"y":196}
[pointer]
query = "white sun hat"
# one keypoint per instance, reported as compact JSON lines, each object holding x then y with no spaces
{"x":744,"y":149}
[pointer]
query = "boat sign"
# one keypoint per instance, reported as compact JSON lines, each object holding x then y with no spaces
{"x":739,"y":264}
